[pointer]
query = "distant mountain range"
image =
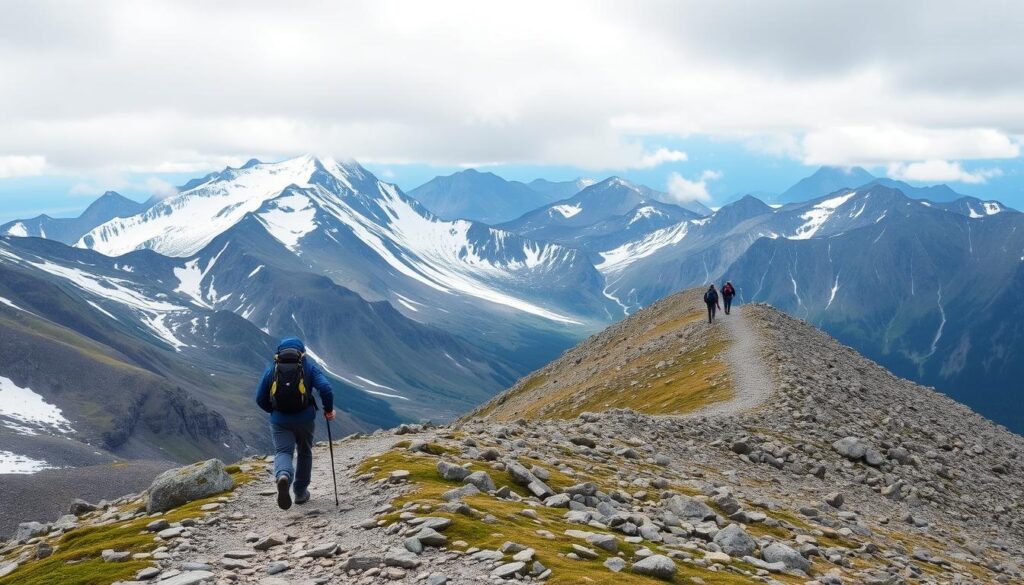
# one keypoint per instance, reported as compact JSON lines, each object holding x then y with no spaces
{"x":69,"y":230}
{"x":179,"y":302}
{"x":486,"y":197}
{"x":827,"y":180}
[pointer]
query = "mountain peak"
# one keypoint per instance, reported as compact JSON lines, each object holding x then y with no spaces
{"x":825,"y":180}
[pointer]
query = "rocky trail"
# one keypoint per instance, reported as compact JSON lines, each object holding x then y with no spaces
{"x":822,"y":469}
{"x":752,"y":384}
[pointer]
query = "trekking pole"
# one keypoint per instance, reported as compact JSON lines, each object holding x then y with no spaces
{"x":330,"y":446}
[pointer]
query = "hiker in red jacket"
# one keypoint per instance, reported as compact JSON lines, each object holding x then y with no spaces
{"x":711,"y":300}
{"x":728,"y":292}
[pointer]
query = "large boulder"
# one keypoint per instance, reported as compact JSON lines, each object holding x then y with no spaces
{"x":734,"y":541}
{"x":853,"y":448}
{"x":175,"y":487}
{"x":658,"y":566}
{"x":777,"y":552}
{"x":690,"y":509}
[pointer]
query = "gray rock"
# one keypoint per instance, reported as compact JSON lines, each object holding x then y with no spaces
{"x":873,"y":458}
{"x":584,"y":442}
{"x":519,"y":474}
{"x":482,"y":480}
{"x":175,"y":487}
{"x":362,"y":562}
{"x":109,"y":555}
{"x":173,"y":532}
{"x":27,"y":530}
{"x":79,"y":507}
{"x":540,"y":489}
{"x":437,"y":579}
{"x":324,"y":549}
{"x":582,"y":489}
{"x":450,"y":471}
{"x":557,"y":501}
{"x":604,"y":541}
{"x":8,"y":568}
{"x":147,"y":573}
{"x":615,"y":564}
{"x":777,"y":552}
{"x":270,"y":541}
{"x":158,"y":525}
{"x":460,"y":492}
{"x":440,"y":524}
{"x":734,"y":541}
{"x":509,"y":570}
{"x":43,"y":550}
{"x":277,"y":567}
{"x":413,"y":545}
{"x":584,"y":552}
{"x":852,"y":448}
{"x":399,"y":557}
{"x":658,"y":566}
{"x":689,"y":509}
{"x":835,"y":499}
{"x":430,"y":537}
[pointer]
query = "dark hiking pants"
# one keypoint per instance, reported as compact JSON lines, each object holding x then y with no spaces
{"x":711,"y":312}
{"x":728,"y":304}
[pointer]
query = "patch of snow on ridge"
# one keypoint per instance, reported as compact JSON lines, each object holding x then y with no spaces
{"x":992,"y":208}
{"x":568,"y":211}
{"x":816,"y":217}
{"x":617,"y":259}
{"x":289,"y":219}
{"x":644,"y":213}
{"x":20,"y":464}
{"x":29,"y":412}
{"x":17,"y":229}
{"x":190,"y":277}
{"x":10,"y":304}
{"x":152,"y":311}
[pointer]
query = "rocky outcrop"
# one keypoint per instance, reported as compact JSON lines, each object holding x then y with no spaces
{"x":175,"y":487}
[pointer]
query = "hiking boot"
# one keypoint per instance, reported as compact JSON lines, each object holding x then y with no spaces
{"x":302,"y":498}
{"x":284,"y":498}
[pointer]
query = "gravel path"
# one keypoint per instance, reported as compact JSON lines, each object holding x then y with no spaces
{"x":753,"y":384}
{"x":253,"y":510}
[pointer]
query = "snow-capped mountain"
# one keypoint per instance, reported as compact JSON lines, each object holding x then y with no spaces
{"x":480,"y":196}
{"x":367,"y":234}
{"x":587,"y":213}
{"x":69,"y":230}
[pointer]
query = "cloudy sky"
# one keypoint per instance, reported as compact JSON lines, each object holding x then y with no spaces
{"x":140,"y":96}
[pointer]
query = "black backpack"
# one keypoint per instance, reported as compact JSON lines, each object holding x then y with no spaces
{"x":711,"y":297}
{"x":288,"y":391}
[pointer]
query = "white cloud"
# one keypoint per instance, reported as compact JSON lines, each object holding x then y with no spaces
{"x":939,"y":171}
{"x":684,"y":190}
{"x":660,"y":156}
{"x":112,"y":181}
{"x":869,"y":145}
{"x":21,"y":166}
{"x":568,"y":83}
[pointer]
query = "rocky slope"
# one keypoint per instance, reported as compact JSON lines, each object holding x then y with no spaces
{"x":839,"y":473}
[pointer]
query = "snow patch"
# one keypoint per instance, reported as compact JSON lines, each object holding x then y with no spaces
{"x":646,"y":212}
{"x":28,"y":412}
{"x":289,"y":219}
{"x":18,"y":229}
{"x":14,"y":463}
{"x":992,"y":208}
{"x":617,"y":259}
{"x":568,"y":211}
{"x":816,"y":217}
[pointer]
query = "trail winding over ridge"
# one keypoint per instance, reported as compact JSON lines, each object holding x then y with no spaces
{"x":752,"y":383}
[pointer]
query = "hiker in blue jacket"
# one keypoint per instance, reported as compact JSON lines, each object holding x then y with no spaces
{"x":285,"y":391}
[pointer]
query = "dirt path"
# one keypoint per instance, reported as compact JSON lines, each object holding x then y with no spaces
{"x":753,"y":384}
{"x":252,"y":512}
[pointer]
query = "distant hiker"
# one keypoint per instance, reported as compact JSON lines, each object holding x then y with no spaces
{"x":728,"y":292}
{"x":285,"y":391}
{"x":711,"y":300}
